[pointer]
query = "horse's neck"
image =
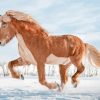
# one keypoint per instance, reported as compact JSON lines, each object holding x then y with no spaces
{"x":30,"y":39}
{"x":31,"y":33}
{"x":26,"y":27}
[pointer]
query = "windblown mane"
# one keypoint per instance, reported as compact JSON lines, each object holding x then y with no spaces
{"x":20,"y":16}
{"x":25,"y":18}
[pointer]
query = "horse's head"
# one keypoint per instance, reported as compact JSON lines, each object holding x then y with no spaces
{"x":9,"y":24}
{"x":17,"y":22}
{"x":7,"y":30}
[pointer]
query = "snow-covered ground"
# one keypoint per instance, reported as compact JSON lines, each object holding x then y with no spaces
{"x":30,"y":89}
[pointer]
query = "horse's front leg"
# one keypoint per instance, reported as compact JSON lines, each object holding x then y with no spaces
{"x":41,"y":74}
{"x":15,"y":63}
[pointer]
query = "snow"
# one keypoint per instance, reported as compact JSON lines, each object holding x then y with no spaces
{"x":30,"y":89}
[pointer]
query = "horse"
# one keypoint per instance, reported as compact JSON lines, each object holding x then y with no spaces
{"x":37,"y":47}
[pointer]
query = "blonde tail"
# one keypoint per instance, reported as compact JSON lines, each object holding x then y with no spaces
{"x":93,"y":55}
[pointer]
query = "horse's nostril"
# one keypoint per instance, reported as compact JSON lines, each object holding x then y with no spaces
{"x":0,"y":42}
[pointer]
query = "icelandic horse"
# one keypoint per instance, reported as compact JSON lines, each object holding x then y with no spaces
{"x":38,"y":48}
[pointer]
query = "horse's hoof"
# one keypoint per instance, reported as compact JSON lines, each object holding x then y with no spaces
{"x":75,"y":84}
{"x":22,"y":77}
{"x":59,"y":87}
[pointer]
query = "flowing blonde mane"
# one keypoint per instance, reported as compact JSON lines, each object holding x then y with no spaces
{"x":20,"y":16}
{"x":25,"y":18}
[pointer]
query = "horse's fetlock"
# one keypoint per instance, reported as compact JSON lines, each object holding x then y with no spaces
{"x":42,"y":82}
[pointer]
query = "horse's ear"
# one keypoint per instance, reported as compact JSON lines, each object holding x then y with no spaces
{"x":6,"y":18}
{"x":19,"y":15}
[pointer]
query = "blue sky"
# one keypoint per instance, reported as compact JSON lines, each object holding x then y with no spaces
{"x":78,"y":17}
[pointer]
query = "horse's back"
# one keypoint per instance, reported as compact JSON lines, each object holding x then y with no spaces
{"x":65,"y":45}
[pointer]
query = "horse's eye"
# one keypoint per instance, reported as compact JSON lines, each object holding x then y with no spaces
{"x":4,"y":25}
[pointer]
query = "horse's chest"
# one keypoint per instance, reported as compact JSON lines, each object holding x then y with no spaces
{"x":24,"y":51}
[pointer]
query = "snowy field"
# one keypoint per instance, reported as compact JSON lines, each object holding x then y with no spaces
{"x":30,"y":89}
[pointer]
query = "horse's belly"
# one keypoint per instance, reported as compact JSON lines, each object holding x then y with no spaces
{"x":52,"y":59}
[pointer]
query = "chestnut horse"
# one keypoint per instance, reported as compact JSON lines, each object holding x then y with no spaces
{"x":38,"y":48}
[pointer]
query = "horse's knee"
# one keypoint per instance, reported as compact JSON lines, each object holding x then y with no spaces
{"x":81,"y":69}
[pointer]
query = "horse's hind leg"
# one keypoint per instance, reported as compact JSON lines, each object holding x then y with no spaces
{"x":15,"y":63}
{"x":80,"y":68}
{"x":63,"y":74}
